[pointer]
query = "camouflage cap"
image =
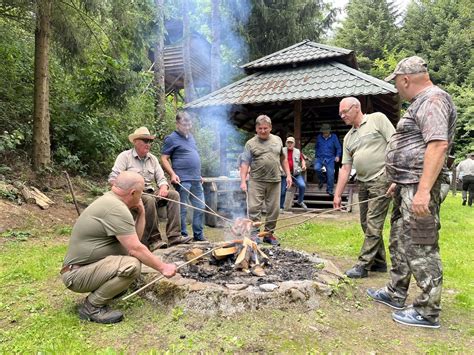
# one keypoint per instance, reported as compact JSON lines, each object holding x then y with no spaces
{"x":410,"y":65}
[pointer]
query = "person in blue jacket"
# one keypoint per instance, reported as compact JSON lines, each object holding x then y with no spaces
{"x":327,"y":152}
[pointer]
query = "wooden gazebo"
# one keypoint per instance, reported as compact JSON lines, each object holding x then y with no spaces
{"x":300,"y":88}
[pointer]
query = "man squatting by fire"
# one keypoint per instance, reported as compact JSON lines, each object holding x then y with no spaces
{"x":105,"y":253}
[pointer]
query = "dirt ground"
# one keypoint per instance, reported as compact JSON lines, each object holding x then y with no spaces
{"x":349,"y":320}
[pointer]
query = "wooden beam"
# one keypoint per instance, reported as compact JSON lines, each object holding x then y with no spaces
{"x":297,"y":122}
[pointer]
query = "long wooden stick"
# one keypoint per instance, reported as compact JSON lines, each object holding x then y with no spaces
{"x":177,"y":268}
{"x":197,"y":198}
{"x":72,"y":192}
{"x":190,"y":206}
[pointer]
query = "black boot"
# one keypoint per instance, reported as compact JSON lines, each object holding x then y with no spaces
{"x":357,"y":272}
{"x":99,"y":314}
{"x":378,"y":267}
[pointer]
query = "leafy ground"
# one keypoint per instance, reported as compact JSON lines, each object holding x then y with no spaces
{"x":37,"y":314}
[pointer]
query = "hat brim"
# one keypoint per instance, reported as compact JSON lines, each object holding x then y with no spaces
{"x":390,"y":77}
{"x":132,"y":137}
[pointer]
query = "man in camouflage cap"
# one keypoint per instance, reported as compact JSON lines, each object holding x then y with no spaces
{"x":416,"y":156}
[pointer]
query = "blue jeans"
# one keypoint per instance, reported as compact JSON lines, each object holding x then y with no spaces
{"x":299,"y":181}
{"x":198,"y":216}
{"x":329,"y":164}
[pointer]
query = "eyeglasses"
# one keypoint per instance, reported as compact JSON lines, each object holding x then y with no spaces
{"x":147,"y":141}
{"x":345,"y":112}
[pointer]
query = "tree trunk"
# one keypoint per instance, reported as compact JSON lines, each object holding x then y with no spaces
{"x":159,"y":67}
{"x":189,"y":92}
{"x":41,"y":117}
{"x":215,"y":45}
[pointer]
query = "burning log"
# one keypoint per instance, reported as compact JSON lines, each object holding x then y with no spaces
{"x":248,"y":256}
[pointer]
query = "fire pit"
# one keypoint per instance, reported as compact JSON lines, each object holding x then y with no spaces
{"x":222,"y":284}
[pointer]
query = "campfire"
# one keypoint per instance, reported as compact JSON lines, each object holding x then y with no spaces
{"x":237,"y":275}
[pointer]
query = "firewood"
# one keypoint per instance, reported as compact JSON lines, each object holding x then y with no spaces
{"x":27,"y":194}
{"x":43,"y":196}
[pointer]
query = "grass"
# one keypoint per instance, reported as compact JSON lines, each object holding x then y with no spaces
{"x":37,"y":313}
{"x":344,"y":238}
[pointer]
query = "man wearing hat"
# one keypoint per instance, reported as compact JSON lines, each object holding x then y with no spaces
{"x":416,"y":156}
{"x":140,"y":160}
{"x":327,"y":153}
{"x":465,"y":173}
{"x":297,"y":165}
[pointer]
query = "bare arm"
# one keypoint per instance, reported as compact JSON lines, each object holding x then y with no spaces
{"x":138,"y":250}
{"x":244,"y":169}
{"x":286,"y":169}
{"x":166,"y":163}
{"x":433,"y":163}
{"x":303,"y":162}
{"x":344,"y":173}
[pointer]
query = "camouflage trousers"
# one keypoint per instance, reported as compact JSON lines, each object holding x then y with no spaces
{"x":372,"y":219}
{"x":414,"y":250}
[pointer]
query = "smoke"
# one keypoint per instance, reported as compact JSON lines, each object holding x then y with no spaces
{"x":214,"y":131}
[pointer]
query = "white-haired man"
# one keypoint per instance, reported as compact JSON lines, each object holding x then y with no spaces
{"x":364,"y":148}
{"x":140,"y":160}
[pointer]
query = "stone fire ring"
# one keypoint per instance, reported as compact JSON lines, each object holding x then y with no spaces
{"x":239,"y":292}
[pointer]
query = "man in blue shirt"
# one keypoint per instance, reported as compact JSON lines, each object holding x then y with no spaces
{"x":327,"y":152}
{"x":180,"y":159}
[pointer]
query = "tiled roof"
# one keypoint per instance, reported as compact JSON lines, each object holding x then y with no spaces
{"x":305,"y":51}
{"x":318,"y":80}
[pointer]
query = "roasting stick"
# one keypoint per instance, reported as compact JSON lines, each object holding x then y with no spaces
{"x":321,"y":213}
{"x":190,"y":206}
{"x":197,"y":198}
{"x":177,"y":268}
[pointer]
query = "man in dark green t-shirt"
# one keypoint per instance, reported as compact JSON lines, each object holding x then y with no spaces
{"x":105,"y":253}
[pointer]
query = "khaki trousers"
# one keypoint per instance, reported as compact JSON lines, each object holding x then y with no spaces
{"x":173,"y":224}
{"x":105,"y":278}
{"x":258,"y":193}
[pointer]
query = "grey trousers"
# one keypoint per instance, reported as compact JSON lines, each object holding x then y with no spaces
{"x":260,"y":192}
{"x":105,"y":278}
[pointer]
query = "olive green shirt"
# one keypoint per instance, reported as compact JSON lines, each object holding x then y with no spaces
{"x":94,"y":234}
{"x":264,"y":158}
{"x":364,"y":147}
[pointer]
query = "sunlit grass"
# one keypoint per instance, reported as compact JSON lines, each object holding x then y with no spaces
{"x":38,"y":314}
{"x":344,"y":238}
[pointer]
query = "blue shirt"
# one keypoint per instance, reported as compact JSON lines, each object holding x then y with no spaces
{"x":327,"y":147}
{"x":184,"y":156}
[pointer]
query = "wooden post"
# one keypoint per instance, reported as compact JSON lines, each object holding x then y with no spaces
{"x":297,"y":114}
{"x":223,"y":152}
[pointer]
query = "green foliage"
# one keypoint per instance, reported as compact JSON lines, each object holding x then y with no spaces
{"x":384,"y":66}
{"x":17,"y":235}
{"x":369,"y":29}
{"x":16,"y":91}
{"x":463,"y":97}
{"x":274,"y":25}
{"x":441,"y":32}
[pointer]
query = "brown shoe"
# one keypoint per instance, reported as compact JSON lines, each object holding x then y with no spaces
{"x":102,"y":314}
{"x":159,"y":244}
{"x":178,"y":239}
